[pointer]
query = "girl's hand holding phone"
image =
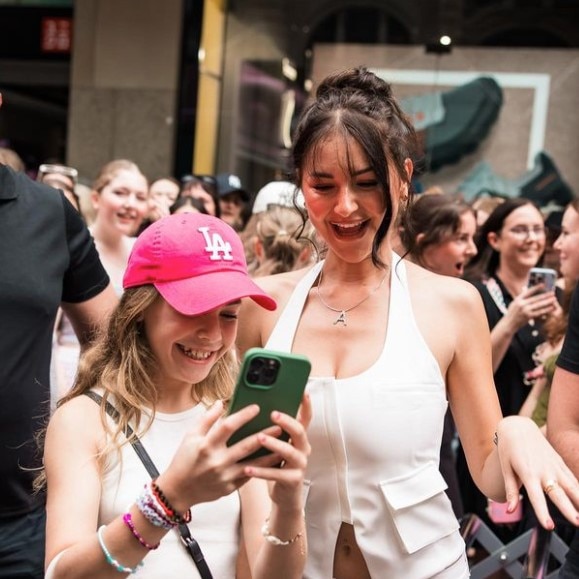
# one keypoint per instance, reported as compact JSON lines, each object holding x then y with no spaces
{"x":258,"y":437}
{"x":205,"y":467}
{"x":287,"y":478}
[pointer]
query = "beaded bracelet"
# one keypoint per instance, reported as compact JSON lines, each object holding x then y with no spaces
{"x":276,"y":540}
{"x":171,"y":513}
{"x":128,"y":520}
{"x":111,"y":560}
{"x":152,"y":510}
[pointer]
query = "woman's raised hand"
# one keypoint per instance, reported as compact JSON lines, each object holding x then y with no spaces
{"x":527,"y":457}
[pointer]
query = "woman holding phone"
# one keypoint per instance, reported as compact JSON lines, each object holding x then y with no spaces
{"x":382,"y":369}
{"x":165,"y":364}
{"x":510,"y":243}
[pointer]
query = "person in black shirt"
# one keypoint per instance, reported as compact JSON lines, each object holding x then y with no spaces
{"x":563,"y":419}
{"x":47,"y":260}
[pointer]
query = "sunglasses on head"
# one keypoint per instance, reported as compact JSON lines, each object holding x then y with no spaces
{"x":51,"y":169}
{"x":208,"y":182}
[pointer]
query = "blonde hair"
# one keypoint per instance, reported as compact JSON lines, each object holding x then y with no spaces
{"x":284,"y":237}
{"x":109,"y":171}
{"x":122,"y":364}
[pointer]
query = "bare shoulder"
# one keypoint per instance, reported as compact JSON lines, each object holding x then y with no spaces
{"x":281,"y":285}
{"x":77,"y":420}
{"x":255,"y":322}
{"x":440,"y":301}
{"x":440,"y":289}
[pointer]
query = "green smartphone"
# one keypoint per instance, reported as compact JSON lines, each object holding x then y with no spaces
{"x":272,"y":380}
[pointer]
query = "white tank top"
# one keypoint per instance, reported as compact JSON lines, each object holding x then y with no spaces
{"x":214,"y":525}
{"x":375,"y":451}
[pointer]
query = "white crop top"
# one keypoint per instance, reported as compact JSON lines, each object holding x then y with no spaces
{"x":375,"y":451}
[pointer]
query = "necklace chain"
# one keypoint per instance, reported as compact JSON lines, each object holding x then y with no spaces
{"x":341,"y":319}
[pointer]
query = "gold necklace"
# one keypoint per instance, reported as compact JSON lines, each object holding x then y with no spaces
{"x":341,"y":319}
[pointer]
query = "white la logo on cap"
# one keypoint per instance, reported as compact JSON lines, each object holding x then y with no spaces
{"x":234,"y":182}
{"x":215,"y":245}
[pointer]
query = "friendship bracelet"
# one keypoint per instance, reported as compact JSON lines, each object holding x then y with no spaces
{"x":111,"y":560}
{"x":272,"y":539}
{"x":152,"y":510}
{"x":128,"y":520}
{"x":171,"y":513}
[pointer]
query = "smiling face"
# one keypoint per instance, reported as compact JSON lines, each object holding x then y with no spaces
{"x":123,"y":202}
{"x":344,"y":199}
{"x":450,"y":256}
{"x":521,"y":240}
{"x":567,"y":244}
{"x":187,"y":347}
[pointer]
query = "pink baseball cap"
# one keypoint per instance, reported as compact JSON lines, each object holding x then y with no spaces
{"x":195,"y":261}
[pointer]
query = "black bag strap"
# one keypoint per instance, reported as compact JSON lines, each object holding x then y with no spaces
{"x":187,"y":539}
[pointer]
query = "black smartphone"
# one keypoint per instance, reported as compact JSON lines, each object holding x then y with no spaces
{"x":272,"y":380}
{"x":544,"y":275}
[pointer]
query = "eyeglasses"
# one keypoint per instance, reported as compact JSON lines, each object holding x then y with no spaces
{"x":523,"y":232}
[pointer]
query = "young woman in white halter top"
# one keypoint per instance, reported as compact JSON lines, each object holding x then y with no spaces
{"x":391,"y":345}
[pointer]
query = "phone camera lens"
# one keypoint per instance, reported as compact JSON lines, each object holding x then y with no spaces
{"x":263,"y":371}
{"x":255,"y":370}
{"x":253,"y":376}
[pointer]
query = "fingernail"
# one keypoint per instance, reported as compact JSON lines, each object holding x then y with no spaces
{"x":275,"y":414}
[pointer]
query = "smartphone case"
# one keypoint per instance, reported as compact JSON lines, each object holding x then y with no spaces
{"x":284,"y":393}
{"x":544,"y":275}
{"x":497,"y":512}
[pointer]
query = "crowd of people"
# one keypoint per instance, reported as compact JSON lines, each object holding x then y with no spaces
{"x":126,"y":330}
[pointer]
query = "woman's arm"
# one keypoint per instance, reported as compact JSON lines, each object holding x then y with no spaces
{"x":472,"y":393}
{"x":265,"y":559}
{"x":522,"y":454}
{"x":203,"y":469}
{"x":73,"y":438}
{"x":278,"y":514}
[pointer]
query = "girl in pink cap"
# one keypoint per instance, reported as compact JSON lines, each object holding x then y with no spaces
{"x":165,"y":365}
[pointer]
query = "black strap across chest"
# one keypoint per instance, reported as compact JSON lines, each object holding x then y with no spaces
{"x":187,"y":539}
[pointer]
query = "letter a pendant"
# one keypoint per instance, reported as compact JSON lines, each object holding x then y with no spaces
{"x":341,"y":319}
